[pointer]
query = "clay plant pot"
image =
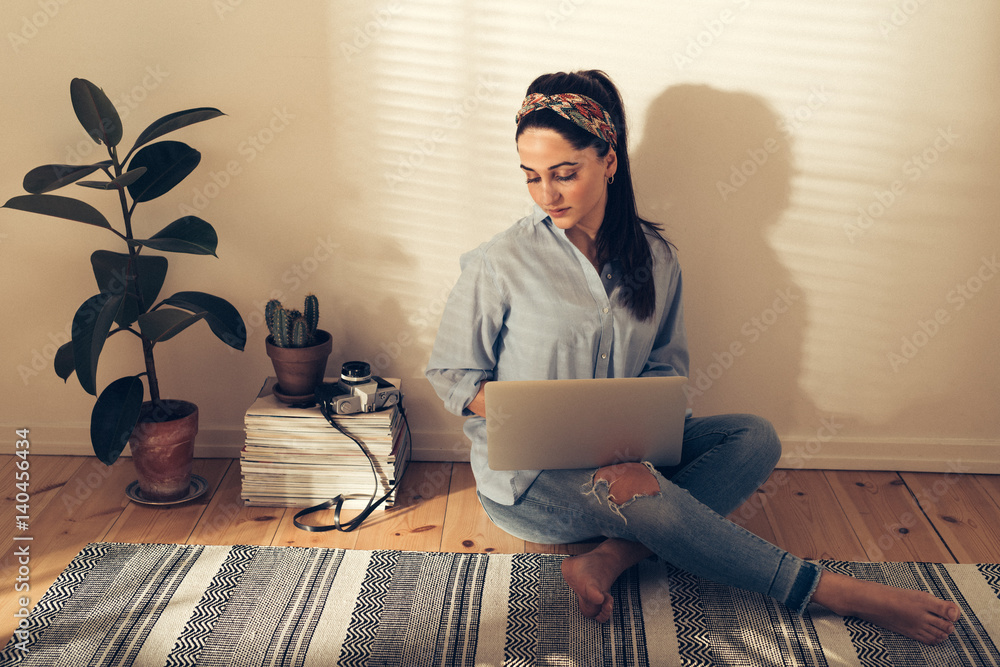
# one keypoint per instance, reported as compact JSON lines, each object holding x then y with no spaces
{"x":163,"y":449}
{"x":299,"y":369}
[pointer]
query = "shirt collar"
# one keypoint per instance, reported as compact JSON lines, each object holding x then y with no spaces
{"x":538,"y":215}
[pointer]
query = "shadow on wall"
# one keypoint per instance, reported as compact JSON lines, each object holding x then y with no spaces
{"x":715,"y":167}
{"x":370,"y":322}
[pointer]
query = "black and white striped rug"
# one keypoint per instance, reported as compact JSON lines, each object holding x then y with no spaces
{"x":149,"y":604}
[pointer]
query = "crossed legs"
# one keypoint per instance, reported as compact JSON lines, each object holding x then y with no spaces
{"x":680,"y":514}
{"x":915,"y":614}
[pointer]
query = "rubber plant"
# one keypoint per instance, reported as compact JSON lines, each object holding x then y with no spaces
{"x":129,"y":280}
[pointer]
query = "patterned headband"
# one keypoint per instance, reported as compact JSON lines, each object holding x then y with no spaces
{"x":579,"y":109}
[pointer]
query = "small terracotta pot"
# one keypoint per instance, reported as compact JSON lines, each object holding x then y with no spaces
{"x":299,"y":369}
{"x":163,"y":449}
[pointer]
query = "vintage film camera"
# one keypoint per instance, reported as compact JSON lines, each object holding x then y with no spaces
{"x":357,"y":391}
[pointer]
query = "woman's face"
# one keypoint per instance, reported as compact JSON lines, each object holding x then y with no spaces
{"x":568,"y":184}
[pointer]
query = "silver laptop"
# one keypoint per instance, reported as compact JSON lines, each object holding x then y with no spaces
{"x":590,"y":423}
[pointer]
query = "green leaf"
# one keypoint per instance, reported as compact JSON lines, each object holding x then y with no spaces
{"x":189,"y":234}
{"x":91,"y":326}
{"x":111,"y":270}
{"x":165,"y":323}
{"x":95,"y":112}
{"x":167,"y":163}
{"x":50,"y":177}
{"x":174,"y":121}
{"x":125,"y":179}
{"x":114,"y":417}
{"x":63,"y":362}
{"x":224,"y":320}
{"x":66,"y":208}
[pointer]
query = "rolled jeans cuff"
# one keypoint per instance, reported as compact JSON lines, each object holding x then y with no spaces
{"x":795,"y":582}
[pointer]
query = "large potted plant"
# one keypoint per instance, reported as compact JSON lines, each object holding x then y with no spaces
{"x":159,"y":431}
{"x":298,"y":349}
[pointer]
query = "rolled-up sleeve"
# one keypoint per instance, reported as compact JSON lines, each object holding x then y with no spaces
{"x":465,"y":351}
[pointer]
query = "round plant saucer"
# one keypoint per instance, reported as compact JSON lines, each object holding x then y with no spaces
{"x":198,"y":487}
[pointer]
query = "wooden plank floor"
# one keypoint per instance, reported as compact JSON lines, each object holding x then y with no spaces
{"x":864,"y":516}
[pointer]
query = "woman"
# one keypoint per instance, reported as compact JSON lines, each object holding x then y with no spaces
{"x":585,"y":288}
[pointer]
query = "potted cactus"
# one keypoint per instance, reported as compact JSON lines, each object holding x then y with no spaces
{"x":159,"y":431}
{"x":298,"y":349}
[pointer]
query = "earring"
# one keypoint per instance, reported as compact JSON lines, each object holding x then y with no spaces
{"x":611,"y":179}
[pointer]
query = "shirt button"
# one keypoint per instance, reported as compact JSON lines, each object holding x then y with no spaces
{"x":606,"y":309}
{"x":604,"y":356}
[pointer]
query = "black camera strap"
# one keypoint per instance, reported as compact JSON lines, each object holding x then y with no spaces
{"x":338,"y":502}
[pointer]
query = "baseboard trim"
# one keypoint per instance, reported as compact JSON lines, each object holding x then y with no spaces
{"x":49,"y":440}
{"x":956,"y":455}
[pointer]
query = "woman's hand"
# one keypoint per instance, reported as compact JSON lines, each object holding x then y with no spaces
{"x":478,"y":404}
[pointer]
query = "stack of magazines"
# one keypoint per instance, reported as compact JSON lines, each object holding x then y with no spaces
{"x":293,"y":457}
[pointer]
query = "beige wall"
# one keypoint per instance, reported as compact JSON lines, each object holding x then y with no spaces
{"x":827,"y":170}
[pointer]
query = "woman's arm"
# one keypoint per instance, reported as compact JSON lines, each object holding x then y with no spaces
{"x":669,"y":355}
{"x":464,"y":354}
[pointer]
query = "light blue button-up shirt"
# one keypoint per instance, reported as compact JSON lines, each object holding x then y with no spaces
{"x":529,"y":305}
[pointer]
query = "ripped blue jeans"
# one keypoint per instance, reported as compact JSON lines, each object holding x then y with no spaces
{"x":725,"y":459}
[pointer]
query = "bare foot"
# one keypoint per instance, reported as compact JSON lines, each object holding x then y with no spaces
{"x":591,"y":575}
{"x":914,"y":614}
{"x":595,"y":600}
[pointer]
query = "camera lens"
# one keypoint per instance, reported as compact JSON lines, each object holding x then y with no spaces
{"x":353,"y":372}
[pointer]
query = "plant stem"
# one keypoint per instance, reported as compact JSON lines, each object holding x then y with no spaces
{"x":154,"y":386}
{"x":133,"y":280}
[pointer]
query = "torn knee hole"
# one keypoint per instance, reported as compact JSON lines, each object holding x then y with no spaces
{"x":627,"y":481}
